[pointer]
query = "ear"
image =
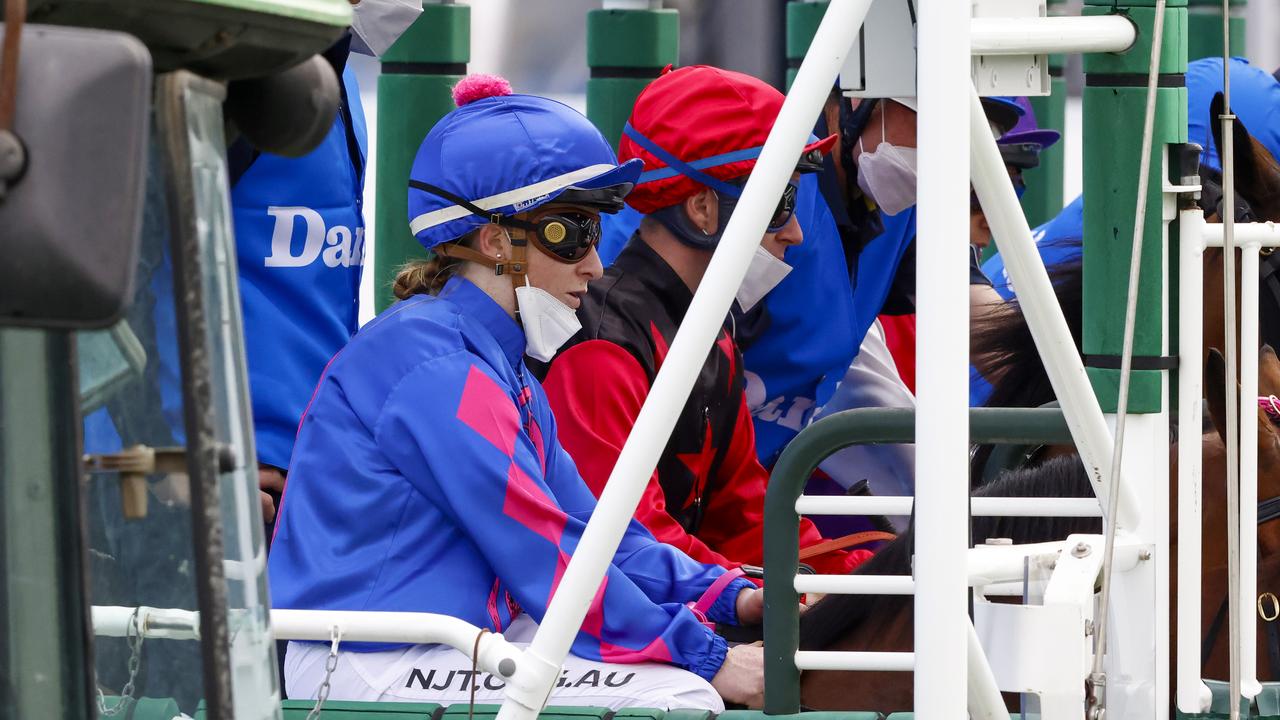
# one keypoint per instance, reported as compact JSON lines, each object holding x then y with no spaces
{"x":1268,"y":372}
{"x":1215,"y":391}
{"x":493,"y":241}
{"x":1257,"y":175}
{"x":703,"y":210}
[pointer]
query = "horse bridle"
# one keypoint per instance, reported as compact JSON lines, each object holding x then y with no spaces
{"x":1211,"y":197}
{"x":1268,"y":510}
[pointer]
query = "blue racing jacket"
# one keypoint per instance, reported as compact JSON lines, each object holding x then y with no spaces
{"x":428,"y":477}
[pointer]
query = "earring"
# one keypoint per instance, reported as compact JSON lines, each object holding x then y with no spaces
{"x":705,"y":231}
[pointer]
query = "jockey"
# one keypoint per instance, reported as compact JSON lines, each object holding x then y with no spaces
{"x":699,"y":131}
{"x":428,"y":473}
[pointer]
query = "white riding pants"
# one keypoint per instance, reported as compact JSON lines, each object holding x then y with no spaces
{"x":441,"y":674}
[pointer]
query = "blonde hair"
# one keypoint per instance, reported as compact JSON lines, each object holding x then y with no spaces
{"x":428,"y":277}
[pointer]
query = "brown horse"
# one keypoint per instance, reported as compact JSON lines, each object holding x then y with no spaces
{"x":1008,"y":358}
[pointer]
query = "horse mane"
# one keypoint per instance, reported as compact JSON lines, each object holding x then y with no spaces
{"x":836,"y":615}
{"x":1005,"y":352}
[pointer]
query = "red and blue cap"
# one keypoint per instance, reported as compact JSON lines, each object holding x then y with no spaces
{"x":507,"y":153}
{"x":701,"y":126}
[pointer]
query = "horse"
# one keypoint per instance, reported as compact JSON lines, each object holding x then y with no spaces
{"x":1008,"y":357}
{"x":884,"y":622}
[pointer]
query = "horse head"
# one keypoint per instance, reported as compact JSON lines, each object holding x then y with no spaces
{"x":1257,"y":174}
{"x":1268,"y":414}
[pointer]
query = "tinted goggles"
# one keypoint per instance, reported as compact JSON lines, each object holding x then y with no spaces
{"x":785,"y":210}
{"x":567,"y":236}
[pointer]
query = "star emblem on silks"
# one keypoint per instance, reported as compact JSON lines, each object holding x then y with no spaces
{"x":725,"y":343}
{"x":699,"y":464}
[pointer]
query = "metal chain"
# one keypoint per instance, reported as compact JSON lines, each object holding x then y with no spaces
{"x":330,"y":664}
{"x":133,"y":637}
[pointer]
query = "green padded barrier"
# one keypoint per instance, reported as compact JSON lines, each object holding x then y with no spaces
{"x":643,"y":714}
{"x":685,"y":714}
{"x":459,"y":711}
{"x":812,"y":715}
{"x":357,"y":710}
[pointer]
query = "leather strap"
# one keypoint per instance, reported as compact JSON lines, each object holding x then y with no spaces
{"x":709,"y":597}
{"x":516,"y":268}
{"x":848,"y":541}
{"x":15,"y":13}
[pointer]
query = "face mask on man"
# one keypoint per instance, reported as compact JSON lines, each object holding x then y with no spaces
{"x":548,"y":323}
{"x":379,"y":23}
{"x":764,"y":274}
{"x":888,"y":175}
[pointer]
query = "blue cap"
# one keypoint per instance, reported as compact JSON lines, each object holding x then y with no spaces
{"x":1255,"y":99}
{"x":507,"y":154}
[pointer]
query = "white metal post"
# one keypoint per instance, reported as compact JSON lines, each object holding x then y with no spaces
{"x":1192,"y":694}
{"x":688,"y":352}
{"x":1248,"y":405}
{"x":942,"y":360}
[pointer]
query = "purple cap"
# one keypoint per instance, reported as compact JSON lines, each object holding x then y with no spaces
{"x":1027,"y":131}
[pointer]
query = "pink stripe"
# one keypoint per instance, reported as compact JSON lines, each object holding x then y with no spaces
{"x":713,"y":593}
{"x":487,"y":409}
{"x":493,"y":606}
{"x":656,"y":650}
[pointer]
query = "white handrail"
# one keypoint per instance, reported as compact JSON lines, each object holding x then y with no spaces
{"x":979,"y":506}
{"x":496,"y":655}
{"x":1054,"y":34}
{"x":855,"y":660}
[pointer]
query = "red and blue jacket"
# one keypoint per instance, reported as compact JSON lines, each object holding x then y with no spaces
{"x":427,"y":476}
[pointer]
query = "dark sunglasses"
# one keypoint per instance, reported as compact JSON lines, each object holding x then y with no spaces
{"x":566,"y":236}
{"x":786,"y":205}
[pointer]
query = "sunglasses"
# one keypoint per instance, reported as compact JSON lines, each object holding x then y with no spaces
{"x":786,"y":205}
{"x":567,"y":236}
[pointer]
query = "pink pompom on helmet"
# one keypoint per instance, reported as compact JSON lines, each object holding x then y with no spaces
{"x":478,"y":87}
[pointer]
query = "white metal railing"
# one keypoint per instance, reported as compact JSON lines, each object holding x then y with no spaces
{"x":978,"y":506}
{"x":1195,"y":235}
{"x":495,"y":655}
{"x":1055,"y":34}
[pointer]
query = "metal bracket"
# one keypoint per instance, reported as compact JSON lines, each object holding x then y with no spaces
{"x":135,"y":463}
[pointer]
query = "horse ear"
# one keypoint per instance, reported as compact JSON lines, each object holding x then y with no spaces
{"x":1215,"y":391}
{"x":1268,"y":372}
{"x":1257,"y":174}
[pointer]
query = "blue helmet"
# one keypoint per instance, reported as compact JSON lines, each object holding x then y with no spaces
{"x":504,"y":154}
{"x":1255,"y":99}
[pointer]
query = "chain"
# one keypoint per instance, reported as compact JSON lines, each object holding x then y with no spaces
{"x":330,"y":664}
{"x":133,"y":637}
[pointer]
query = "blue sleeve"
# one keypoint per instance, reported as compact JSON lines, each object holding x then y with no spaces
{"x":456,"y":432}
{"x":662,"y":572}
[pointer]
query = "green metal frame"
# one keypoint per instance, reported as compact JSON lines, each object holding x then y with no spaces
{"x":626,"y":49}
{"x":414,"y":92}
{"x":865,"y":426}
{"x":1204,"y":28}
{"x":1114,"y":104}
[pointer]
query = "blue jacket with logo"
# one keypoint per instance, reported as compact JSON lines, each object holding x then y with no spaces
{"x":428,"y":477}
{"x":300,"y":247}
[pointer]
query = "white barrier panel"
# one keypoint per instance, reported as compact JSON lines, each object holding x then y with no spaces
{"x":1045,"y":35}
{"x":979,"y":507}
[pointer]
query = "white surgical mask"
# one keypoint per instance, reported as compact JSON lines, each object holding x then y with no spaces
{"x":888,"y":175}
{"x":548,"y":323}
{"x":763,"y":274}
{"x":379,"y":23}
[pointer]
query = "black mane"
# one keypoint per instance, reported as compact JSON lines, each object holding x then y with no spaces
{"x":836,"y":615}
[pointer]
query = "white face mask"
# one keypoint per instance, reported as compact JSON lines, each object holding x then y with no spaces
{"x":888,"y":175}
{"x":763,"y":274}
{"x":379,"y":23}
{"x":548,"y":323}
